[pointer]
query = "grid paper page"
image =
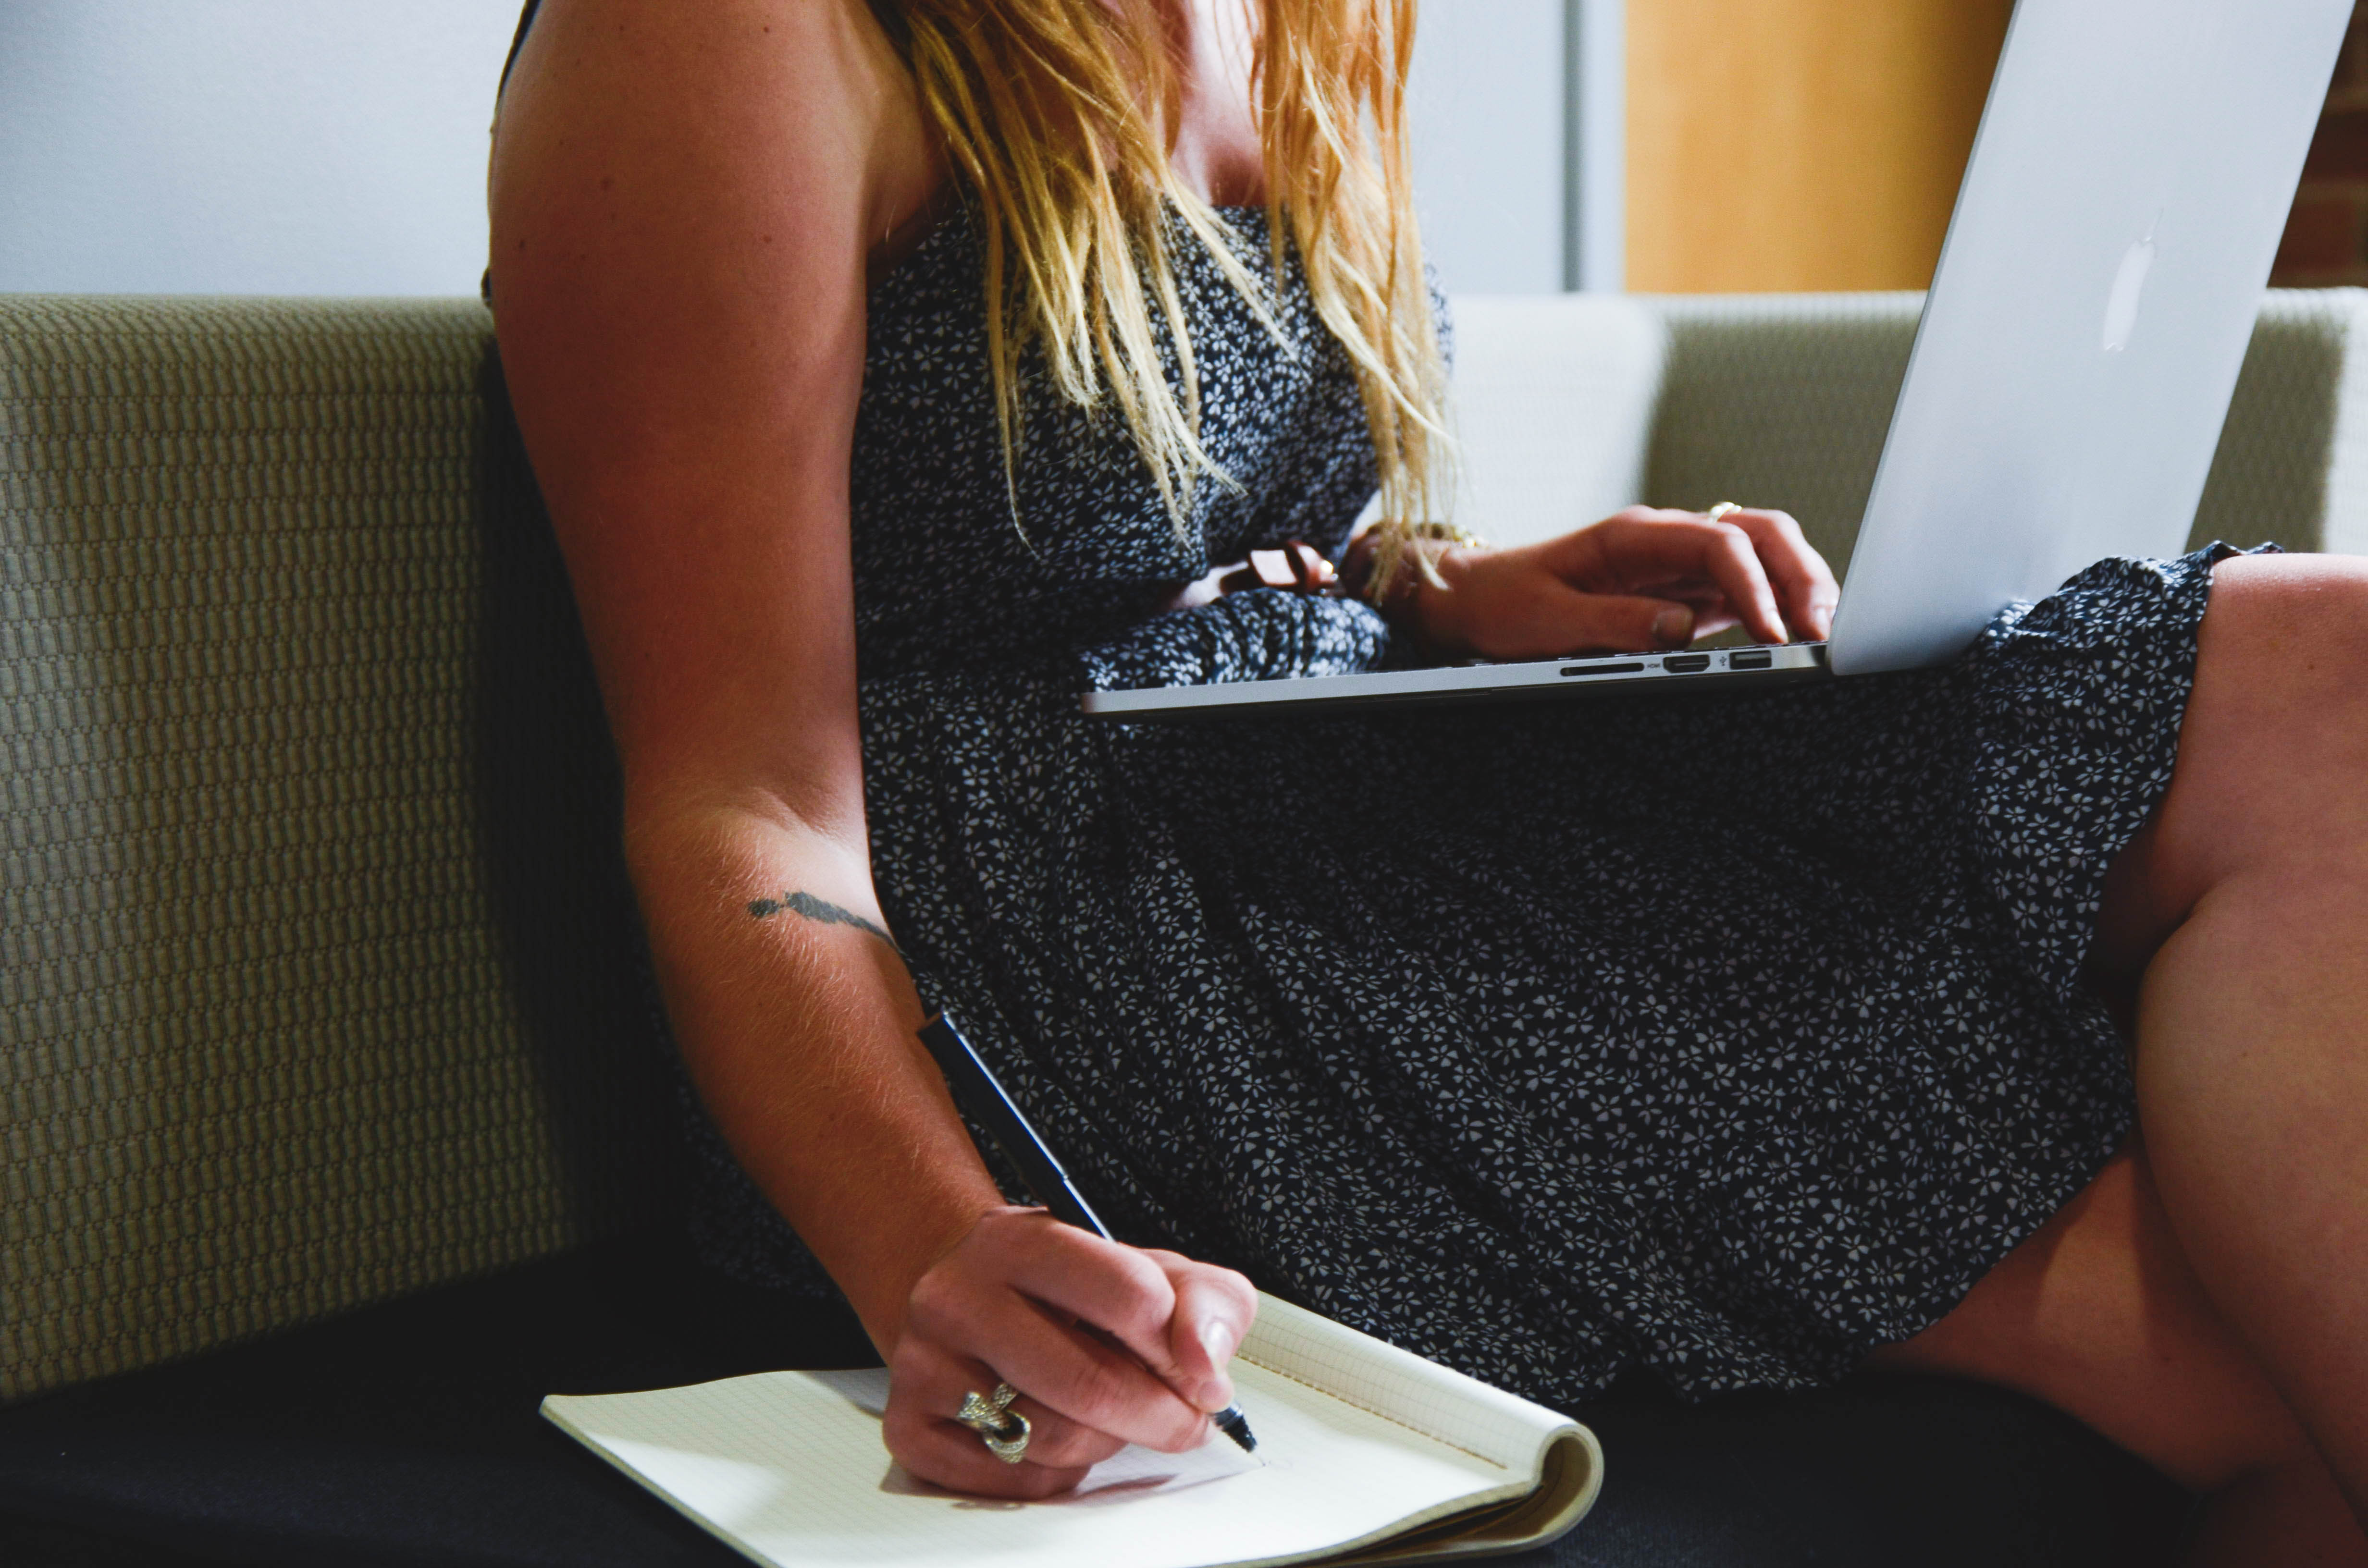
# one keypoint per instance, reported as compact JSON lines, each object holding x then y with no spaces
{"x":789,"y":1468}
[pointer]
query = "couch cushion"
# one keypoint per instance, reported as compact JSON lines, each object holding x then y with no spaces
{"x":407,"y":1433}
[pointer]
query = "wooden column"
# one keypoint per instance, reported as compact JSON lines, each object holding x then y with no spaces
{"x":1799,"y":144}
{"x":2327,"y":235}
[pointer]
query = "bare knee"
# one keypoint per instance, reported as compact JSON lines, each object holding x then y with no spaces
{"x":2289,"y":1514}
{"x":2278,"y":662}
{"x":2298,"y":594}
{"x":2100,"y":1315}
{"x":2272,"y":766}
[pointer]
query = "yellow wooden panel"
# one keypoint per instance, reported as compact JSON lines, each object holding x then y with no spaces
{"x":1799,"y":144}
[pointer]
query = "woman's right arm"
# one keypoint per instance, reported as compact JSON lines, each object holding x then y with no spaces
{"x":683,"y":201}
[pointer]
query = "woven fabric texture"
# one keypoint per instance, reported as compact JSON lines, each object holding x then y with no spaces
{"x":1784,"y":400}
{"x":294,"y":1013}
{"x":319,"y":981}
{"x":2293,"y":464}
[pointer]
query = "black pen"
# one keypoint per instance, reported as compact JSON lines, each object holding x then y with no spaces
{"x":982,"y":1099}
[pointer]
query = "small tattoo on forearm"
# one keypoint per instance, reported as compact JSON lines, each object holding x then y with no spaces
{"x":817,"y":910}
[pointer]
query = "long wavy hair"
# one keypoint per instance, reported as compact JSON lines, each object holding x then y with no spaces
{"x":1059,"y":116}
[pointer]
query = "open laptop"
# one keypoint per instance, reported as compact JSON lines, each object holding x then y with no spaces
{"x":2074,"y":364}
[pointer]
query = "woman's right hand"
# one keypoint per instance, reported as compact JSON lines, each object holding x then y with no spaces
{"x":1007,"y":1304}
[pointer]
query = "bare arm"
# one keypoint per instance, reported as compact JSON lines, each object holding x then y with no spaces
{"x":685,"y":202}
{"x":680,"y":275}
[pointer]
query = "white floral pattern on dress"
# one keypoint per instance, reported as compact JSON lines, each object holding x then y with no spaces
{"x":1725,"y":1038}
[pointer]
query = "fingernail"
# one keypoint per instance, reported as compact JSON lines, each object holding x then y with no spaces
{"x":1672,"y":627}
{"x":1217,"y":1339}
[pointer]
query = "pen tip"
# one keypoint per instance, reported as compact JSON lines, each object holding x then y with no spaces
{"x":1235,"y":1425}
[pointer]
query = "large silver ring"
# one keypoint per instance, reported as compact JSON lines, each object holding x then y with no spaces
{"x":1003,"y":1429}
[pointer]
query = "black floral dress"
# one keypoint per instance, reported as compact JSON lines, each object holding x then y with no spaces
{"x":1724,"y":1038}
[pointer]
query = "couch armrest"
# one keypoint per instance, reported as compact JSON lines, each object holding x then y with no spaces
{"x":1784,"y":400}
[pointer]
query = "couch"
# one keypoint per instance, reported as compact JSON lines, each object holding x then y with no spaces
{"x":334,"y":1127}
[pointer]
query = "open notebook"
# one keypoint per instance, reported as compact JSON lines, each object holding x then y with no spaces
{"x":1366,"y":1454}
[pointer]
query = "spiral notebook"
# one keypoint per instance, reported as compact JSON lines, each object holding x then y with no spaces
{"x":1366,"y":1454}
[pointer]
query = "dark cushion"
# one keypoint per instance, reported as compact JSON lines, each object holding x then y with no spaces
{"x":407,"y":1435}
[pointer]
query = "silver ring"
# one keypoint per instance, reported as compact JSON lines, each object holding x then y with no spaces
{"x":1719,"y":512}
{"x":1003,"y":1429}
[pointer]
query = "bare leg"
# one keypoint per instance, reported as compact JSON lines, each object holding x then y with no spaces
{"x":2290,"y":1515}
{"x":2252,"y":1056}
{"x":2206,"y":1304}
{"x":2100,"y":1315}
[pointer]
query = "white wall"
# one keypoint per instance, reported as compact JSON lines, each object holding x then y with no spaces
{"x":338,"y":146}
{"x":1484,"y":104}
{"x":246,"y":146}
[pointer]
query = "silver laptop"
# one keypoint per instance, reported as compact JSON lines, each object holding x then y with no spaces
{"x":2073,"y":367}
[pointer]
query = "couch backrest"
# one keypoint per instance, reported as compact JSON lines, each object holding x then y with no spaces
{"x":1573,"y":406}
{"x":1553,"y":404}
{"x":318,"y":980}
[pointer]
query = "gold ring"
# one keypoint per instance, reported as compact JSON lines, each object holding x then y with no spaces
{"x":1719,"y":512}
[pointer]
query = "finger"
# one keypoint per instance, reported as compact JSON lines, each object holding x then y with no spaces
{"x":1732,"y":561}
{"x":1126,"y":1292}
{"x":1712,"y":614}
{"x":1214,"y":1308}
{"x":1059,"y":1364}
{"x":927,"y":1386}
{"x":1068,"y":1370}
{"x":1117,"y":1288}
{"x":1804,"y":583}
{"x":947,"y":1455}
{"x":1622,"y":623}
{"x":1550,"y":620}
{"x":1636,"y":551}
{"x":1057,"y":1442}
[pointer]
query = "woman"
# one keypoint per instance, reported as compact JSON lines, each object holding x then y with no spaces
{"x":895,"y":372}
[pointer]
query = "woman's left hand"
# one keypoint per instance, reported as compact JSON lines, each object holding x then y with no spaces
{"x":1640,"y":580}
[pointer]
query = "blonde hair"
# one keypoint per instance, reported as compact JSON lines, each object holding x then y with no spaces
{"x":1058,"y":116}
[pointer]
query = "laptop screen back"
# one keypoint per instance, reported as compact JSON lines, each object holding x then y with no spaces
{"x":2091,"y":310}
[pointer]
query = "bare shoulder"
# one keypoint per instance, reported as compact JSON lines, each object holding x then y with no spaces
{"x":684,"y":200}
{"x":806,"y":99}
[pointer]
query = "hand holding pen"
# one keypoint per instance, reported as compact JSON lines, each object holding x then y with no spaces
{"x":1060,"y":1274}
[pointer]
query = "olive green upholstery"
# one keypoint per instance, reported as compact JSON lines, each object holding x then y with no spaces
{"x":319,"y":980}
{"x":1574,"y":406}
{"x":283,"y":1022}
{"x":1785,"y":400}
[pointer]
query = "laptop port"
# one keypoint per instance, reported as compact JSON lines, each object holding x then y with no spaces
{"x":1750,"y":659}
{"x":1686,"y":663}
{"x":1636,"y":667}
